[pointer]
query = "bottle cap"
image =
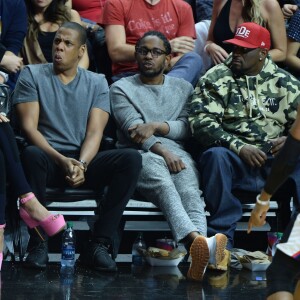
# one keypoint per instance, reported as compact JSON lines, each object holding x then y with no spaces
{"x":69,"y":224}
{"x":279,"y":235}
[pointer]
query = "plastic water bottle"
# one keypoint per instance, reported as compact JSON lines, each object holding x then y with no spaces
{"x":274,"y":247}
{"x":138,"y":245}
{"x":68,"y":247}
{"x":66,"y":282}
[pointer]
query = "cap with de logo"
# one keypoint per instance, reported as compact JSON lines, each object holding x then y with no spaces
{"x":251,"y":35}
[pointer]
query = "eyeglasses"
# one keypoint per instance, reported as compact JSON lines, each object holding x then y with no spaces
{"x":242,"y":50}
{"x":155,"y":52}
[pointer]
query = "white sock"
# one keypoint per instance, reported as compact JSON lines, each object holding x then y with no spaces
{"x":212,"y":244}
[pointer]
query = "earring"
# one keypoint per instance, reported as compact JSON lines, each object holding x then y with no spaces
{"x":260,"y":59}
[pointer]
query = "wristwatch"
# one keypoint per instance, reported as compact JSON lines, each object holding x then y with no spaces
{"x":4,"y":75}
{"x":84,"y":163}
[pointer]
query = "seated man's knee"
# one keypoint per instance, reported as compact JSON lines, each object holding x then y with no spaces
{"x":132,"y":158}
{"x":188,"y":67}
{"x":194,"y":60}
{"x":215,"y":154}
{"x":30,"y":153}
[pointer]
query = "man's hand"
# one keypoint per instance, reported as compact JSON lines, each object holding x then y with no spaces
{"x":141,"y":132}
{"x":288,"y":10}
{"x":3,"y":118}
{"x":11,"y":62}
{"x":182,"y":44}
{"x":174,"y":162}
{"x":91,"y":27}
{"x":74,"y":171}
{"x":258,"y":216}
{"x":253,"y":156}
{"x":77,"y":177}
{"x":277,"y":144}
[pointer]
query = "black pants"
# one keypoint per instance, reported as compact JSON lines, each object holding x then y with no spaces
{"x":284,"y":270}
{"x":11,"y":167}
{"x":117,"y":169}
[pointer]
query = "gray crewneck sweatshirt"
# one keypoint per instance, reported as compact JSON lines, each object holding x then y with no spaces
{"x":133,"y":102}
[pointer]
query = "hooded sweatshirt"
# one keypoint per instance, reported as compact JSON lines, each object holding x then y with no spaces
{"x":234,"y":111}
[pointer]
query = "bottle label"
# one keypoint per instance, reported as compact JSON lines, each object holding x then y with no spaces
{"x":68,"y":252}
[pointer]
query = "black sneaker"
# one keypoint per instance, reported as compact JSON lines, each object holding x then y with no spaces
{"x":37,"y":257}
{"x":96,"y":256}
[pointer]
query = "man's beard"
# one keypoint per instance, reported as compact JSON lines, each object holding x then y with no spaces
{"x":237,"y":72}
{"x":151,"y":73}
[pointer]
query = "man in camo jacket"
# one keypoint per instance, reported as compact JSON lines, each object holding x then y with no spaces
{"x":240,"y":113}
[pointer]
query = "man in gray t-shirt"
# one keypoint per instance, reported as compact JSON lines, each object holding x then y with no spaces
{"x":63,"y":111}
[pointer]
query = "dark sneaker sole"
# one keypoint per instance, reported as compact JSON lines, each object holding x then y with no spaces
{"x":34,"y":266}
{"x":110,"y":270}
{"x":93,"y":267}
{"x":200,"y":255}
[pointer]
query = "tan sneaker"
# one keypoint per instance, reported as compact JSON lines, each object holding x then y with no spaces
{"x":200,"y":255}
{"x":222,"y":265}
{"x":217,"y":251}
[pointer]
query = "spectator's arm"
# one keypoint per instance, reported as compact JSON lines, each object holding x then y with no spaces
{"x":84,"y":61}
{"x":94,"y":133}
{"x":182,"y":44}
{"x":216,"y":52}
{"x":118,"y":50}
{"x":276,"y":26}
{"x":16,"y":32}
{"x":206,"y":114}
{"x":292,"y":59}
{"x":127,"y":116}
{"x":217,"y":6}
{"x":28,"y":114}
{"x":11,"y":62}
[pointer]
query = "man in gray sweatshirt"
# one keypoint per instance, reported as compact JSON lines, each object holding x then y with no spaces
{"x":151,"y":113}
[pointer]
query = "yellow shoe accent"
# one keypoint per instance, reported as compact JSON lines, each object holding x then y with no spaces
{"x":223,"y":265}
{"x":221,"y":242}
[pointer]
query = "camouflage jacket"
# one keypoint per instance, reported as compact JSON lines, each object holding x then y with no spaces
{"x":232,"y":111}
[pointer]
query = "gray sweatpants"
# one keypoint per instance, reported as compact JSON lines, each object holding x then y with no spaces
{"x":177,"y":195}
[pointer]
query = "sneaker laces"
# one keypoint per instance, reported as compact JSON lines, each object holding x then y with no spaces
{"x":100,"y":248}
{"x":38,"y":247}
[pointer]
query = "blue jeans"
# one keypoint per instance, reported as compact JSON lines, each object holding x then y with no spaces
{"x":223,"y":171}
{"x":189,"y":67}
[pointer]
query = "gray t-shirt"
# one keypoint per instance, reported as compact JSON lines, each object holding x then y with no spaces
{"x":64,"y":108}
